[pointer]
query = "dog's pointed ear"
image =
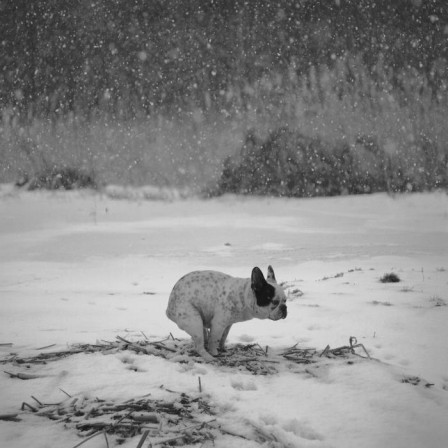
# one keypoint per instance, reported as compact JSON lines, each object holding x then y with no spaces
{"x":257,"y":279}
{"x":263,"y":291}
{"x":271,"y":276}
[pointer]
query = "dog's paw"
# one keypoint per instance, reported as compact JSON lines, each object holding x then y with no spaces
{"x":209,"y":358}
{"x":206,"y":355}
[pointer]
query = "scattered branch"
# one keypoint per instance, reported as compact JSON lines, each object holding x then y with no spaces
{"x":47,"y":346}
{"x":66,"y":393}
{"x":23,"y":376}
{"x":35,"y":399}
{"x":26,"y":405}
{"x":308,"y":355}
{"x":10,"y":417}
{"x":88,"y":438}
{"x":177,"y":420}
{"x":143,"y":438}
{"x":107,"y":441}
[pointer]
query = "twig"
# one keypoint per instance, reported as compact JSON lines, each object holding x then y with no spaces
{"x":8,"y":416}
{"x":122,"y":418}
{"x":142,"y":349}
{"x":23,"y":376}
{"x":260,"y":350}
{"x":297,"y":359}
{"x":232,"y":433}
{"x":104,"y":426}
{"x":26,"y":405}
{"x":123,"y":340}
{"x":88,"y":438}
{"x":297,"y":353}
{"x":162,"y":346}
{"x":135,"y":346}
{"x":362,"y":346}
{"x":143,"y":438}
{"x":105,"y":436}
{"x":35,"y":399}
{"x":167,"y":440}
{"x":197,"y":425}
{"x":149,"y":418}
{"x":47,"y":346}
{"x":262,"y":360}
{"x":66,"y":393}
{"x":144,"y":335}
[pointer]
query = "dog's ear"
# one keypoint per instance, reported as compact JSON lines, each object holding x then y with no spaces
{"x":264,"y":292}
{"x":257,"y":279}
{"x":271,"y":276}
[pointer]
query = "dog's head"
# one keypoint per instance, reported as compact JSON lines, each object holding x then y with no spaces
{"x":270,"y":297}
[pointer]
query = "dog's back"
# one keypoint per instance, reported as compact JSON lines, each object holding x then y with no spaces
{"x":205,"y":291}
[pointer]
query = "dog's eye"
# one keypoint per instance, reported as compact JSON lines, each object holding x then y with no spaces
{"x":275,"y":302}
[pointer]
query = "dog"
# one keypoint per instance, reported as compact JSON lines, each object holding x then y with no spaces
{"x":205,"y":304}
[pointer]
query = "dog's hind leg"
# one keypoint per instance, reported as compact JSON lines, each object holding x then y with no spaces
{"x":195,"y":328}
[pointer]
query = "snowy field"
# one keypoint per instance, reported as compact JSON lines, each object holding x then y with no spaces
{"x":80,"y":267}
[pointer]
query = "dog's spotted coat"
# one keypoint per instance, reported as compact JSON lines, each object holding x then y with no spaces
{"x":206,"y":304}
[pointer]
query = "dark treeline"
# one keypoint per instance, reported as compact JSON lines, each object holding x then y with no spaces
{"x":135,"y":57}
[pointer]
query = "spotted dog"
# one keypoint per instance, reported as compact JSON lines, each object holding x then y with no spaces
{"x":205,"y":304}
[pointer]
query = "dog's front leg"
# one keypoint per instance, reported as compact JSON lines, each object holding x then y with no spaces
{"x":218,"y":330}
{"x":222,"y":342}
{"x":206,"y":337}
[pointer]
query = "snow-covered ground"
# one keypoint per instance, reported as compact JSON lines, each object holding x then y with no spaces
{"x":80,"y":267}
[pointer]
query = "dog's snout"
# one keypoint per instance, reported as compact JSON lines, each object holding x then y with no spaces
{"x":284,"y":310}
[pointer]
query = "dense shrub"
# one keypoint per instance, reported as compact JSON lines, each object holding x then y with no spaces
{"x":40,"y":172}
{"x":288,"y":163}
{"x":58,"y":178}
